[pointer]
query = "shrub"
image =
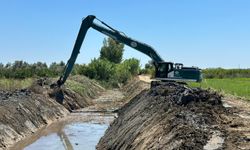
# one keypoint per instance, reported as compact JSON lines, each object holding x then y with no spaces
{"x":112,"y":51}
{"x":226,"y":73}
{"x":122,"y":73}
{"x":100,"y":69}
{"x":133,"y":66}
{"x":148,"y":69}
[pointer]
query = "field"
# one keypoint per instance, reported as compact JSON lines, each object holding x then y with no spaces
{"x":233,"y":86}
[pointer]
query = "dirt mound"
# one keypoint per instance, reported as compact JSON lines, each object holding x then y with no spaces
{"x":74,"y":95}
{"x":172,"y":116}
{"x":5,"y":95}
{"x":133,"y":88}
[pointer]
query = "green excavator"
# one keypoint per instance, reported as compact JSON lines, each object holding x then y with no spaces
{"x":164,"y":71}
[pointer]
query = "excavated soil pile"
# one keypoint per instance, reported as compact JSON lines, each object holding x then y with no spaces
{"x":130,"y":90}
{"x":133,"y":88}
{"x":66,"y":96}
{"x":172,"y":116}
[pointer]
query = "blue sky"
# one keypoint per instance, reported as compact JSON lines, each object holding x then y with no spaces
{"x":203,"y":33}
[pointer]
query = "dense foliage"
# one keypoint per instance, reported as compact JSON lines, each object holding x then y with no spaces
{"x":148,"y":69}
{"x":106,"y":71}
{"x":226,"y":73}
{"x":112,"y":51}
{"x":21,"y":70}
{"x":99,"y":69}
{"x":108,"y":68}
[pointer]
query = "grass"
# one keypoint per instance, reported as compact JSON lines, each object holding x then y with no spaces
{"x":233,"y":86}
{"x":12,"y":84}
{"x":75,"y":86}
{"x":83,"y":86}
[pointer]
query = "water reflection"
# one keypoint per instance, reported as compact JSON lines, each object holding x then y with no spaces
{"x":79,"y":131}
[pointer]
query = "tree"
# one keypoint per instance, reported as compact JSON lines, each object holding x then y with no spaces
{"x":122,"y":74}
{"x":57,"y":69}
{"x":19,"y":64}
{"x":112,"y":50}
{"x":100,"y":69}
{"x":148,"y":69}
{"x":133,"y":66}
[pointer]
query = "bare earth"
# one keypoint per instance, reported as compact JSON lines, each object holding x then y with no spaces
{"x":173,"y":116}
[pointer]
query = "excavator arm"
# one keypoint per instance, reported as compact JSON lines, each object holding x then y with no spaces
{"x":87,"y":23}
{"x":142,"y":47}
{"x":163,"y":69}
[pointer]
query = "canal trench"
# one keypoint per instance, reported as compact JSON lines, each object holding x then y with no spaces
{"x":81,"y":129}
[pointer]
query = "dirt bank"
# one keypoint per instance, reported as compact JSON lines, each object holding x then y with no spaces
{"x":24,"y":111}
{"x":108,"y":101}
{"x":173,"y":116}
{"x":113,"y":99}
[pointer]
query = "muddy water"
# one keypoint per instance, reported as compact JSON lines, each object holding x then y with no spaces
{"x":77,"y":131}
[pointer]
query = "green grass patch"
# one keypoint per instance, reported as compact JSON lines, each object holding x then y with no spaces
{"x":12,"y":84}
{"x":83,"y":86}
{"x":75,"y":86}
{"x":233,"y":86}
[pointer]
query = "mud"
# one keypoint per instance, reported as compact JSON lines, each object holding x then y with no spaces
{"x":24,"y":111}
{"x":173,"y":116}
{"x":68,"y":98}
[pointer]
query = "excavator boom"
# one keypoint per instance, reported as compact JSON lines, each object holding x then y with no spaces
{"x":164,"y":70}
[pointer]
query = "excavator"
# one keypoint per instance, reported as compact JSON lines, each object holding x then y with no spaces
{"x":164,"y":71}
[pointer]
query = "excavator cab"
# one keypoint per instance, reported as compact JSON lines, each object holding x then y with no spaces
{"x":169,"y":71}
{"x":163,"y":69}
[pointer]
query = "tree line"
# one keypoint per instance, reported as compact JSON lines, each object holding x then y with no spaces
{"x":108,"y":67}
{"x":102,"y":69}
{"x":22,"y":69}
{"x":225,"y":73}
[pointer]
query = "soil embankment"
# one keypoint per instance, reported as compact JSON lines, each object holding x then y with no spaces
{"x":24,"y":111}
{"x":173,"y":116}
{"x":113,"y":99}
{"x":99,"y":112}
